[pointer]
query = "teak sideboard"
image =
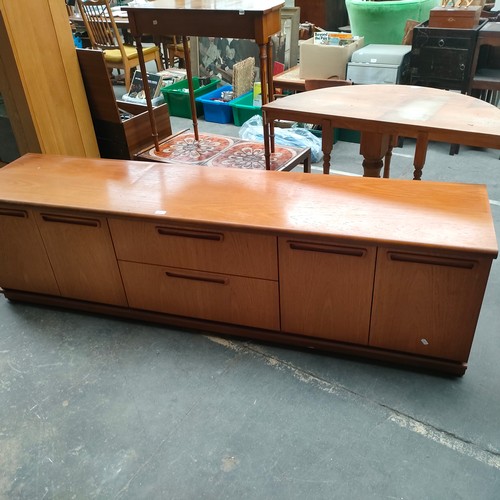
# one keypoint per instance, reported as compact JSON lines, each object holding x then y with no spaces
{"x":388,"y":269}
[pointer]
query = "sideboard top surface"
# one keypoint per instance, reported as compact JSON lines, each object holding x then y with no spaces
{"x":432,"y":214}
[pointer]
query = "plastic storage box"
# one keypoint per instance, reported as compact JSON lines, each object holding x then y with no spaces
{"x":243,"y":108}
{"x":214,"y":110}
{"x":380,"y":63}
{"x":177,"y":96}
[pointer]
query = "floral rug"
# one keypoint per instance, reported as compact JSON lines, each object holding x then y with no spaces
{"x":222,"y":151}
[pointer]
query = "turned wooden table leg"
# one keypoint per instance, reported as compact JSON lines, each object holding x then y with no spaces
{"x":267,"y":139}
{"x":189,"y":75}
{"x":374,"y":147}
{"x":388,"y":157}
{"x":326,"y":144}
{"x":420,"y":154}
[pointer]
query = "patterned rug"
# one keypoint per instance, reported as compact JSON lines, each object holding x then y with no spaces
{"x":221,"y":151}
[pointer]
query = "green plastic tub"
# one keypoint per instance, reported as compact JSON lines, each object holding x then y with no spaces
{"x":384,"y":21}
{"x":177,"y":96}
{"x":243,"y":108}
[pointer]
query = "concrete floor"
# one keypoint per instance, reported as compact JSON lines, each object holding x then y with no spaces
{"x":94,"y":407}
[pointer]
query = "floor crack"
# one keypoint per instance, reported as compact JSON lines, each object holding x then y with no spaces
{"x":445,"y":438}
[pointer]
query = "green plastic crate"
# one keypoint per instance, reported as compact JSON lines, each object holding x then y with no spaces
{"x":347,"y":135}
{"x":177,"y":96}
{"x":243,"y":108}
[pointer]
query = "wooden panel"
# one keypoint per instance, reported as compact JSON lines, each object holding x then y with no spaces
{"x":82,"y":256}
{"x":23,"y":260}
{"x":15,"y":101}
{"x":138,"y":129}
{"x":44,"y":79}
{"x":216,"y":297}
{"x":326,"y":289}
{"x":191,"y":247}
{"x":427,"y":303}
{"x":98,"y":87}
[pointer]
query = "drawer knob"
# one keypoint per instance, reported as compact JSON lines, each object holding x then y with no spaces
{"x":75,"y":221}
{"x":208,"y":279}
{"x":13,"y":213}
{"x":188,"y":233}
{"x":441,"y":43}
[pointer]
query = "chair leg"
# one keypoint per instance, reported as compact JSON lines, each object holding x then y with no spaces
{"x":127,"y":78}
{"x":159,"y":64}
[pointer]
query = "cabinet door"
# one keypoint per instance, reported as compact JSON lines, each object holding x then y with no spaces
{"x":326,"y":289}
{"x":82,"y":256}
{"x":197,"y":294}
{"x":23,"y":260}
{"x":427,"y":303}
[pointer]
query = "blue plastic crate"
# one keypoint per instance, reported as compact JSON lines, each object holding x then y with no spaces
{"x":215,"y":110}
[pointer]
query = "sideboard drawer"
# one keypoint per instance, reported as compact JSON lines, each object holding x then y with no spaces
{"x":217,"y":297}
{"x":228,"y":252}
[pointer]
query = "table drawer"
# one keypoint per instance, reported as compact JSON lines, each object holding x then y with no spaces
{"x":216,"y":297}
{"x":228,"y":252}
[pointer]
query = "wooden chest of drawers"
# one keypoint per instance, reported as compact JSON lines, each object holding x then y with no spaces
{"x":442,"y":57}
{"x":388,"y":269}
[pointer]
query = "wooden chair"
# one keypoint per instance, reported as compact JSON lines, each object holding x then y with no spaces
{"x":104,"y":34}
{"x":173,"y":49}
{"x":321,"y":83}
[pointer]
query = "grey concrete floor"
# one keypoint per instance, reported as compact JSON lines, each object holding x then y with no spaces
{"x":94,"y":407}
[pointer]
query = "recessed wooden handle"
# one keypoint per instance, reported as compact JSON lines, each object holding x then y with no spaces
{"x":430,"y":260}
{"x":189,"y":233}
{"x":208,"y":279}
{"x":66,"y":219}
{"x":315,"y":247}
{"x":10,"y":212}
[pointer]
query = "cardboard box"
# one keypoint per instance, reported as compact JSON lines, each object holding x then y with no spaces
{"x":326,"y":61}
{"x":454,"y":17}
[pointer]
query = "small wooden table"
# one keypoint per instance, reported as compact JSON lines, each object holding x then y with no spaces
{"x":253,"y":19}
{"x":381,"y":112}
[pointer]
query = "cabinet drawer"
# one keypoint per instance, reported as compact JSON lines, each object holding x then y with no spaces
{"x":326,"y":289}
{"x":427,"y":303}
{"x":211,"y":250}
{"x":216,"y":297}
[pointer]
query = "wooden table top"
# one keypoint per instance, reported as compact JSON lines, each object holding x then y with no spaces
{"x":443,"y":215}
{"x":212,"y":5}
{"x":397,"y":109}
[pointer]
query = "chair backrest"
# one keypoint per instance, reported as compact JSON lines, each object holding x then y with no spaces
{"x":321,"y":83}
{"x":100,"y":25}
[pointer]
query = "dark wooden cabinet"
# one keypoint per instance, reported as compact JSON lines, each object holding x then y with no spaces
{"x":327,"y":14}
{"x":442,"y":57}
